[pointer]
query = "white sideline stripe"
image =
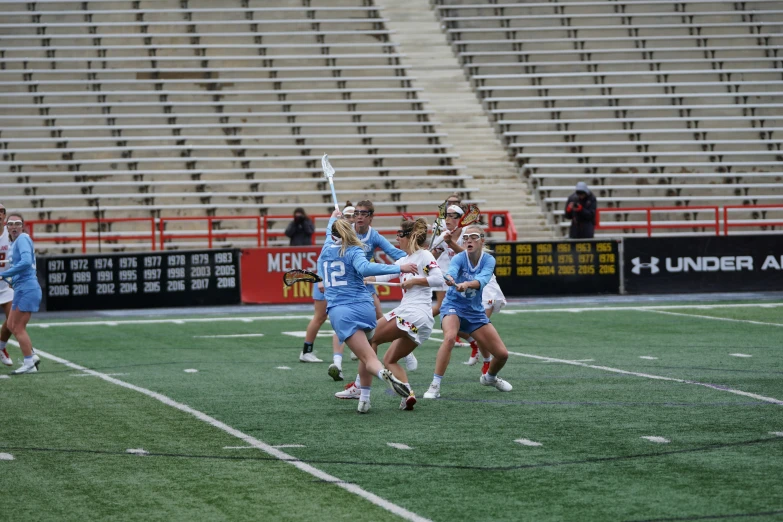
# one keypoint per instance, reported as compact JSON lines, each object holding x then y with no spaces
{"x":659,"y":440}
{"x":455,"y":344}
{"x":6,"y":456}
{"x":190,"y":370}
{"x":740,"y":355}
{"x":776,"y":433}
{"x":86,"y":375}
{"x":238,"y":447}
{"x":283,"y":367}
{"x":302,"y":334}
{"x":528,"y":442}
{"x":584,"y":360}
{"x":278,"y":446}
{"x":266,"y":448}
{"x":137,"y":451}
{"x":227,"y":336}
{"x":173,"y":321}
{"x":5,"y":377}
{"x":656,"y":377}
{"x":644,"y":308}
{"x":648,"y":357}
{"x":714,"y":318}
{"x":399,"y":446}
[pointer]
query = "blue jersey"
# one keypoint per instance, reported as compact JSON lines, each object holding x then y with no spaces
{"x":344,"y":275}
{"x":462,"y":270}
{"x":372,"y":240}
{"x":22,"y":259}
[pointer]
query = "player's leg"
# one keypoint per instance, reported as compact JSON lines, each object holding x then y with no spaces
{"x":485,"y":355}
{"x":5,"y":334}
{"x":335,"y":370}
{"x":399,"y":349}
{"x":450,"y":326}
{"x":17,"y":322}
{"x":438,"y":303}
{"x":319,"y":317}
{"x":488,"y":337}
{"x":370,"y":366}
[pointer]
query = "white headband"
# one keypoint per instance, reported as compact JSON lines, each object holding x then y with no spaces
{"x":455,"y":208}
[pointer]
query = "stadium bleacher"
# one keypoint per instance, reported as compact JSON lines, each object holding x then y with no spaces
{"x":652,"y":102}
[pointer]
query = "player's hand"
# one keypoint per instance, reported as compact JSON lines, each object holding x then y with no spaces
{"x":337,"y":214}
{"x":321,"y":286}
{"x":409,"y":268}
{"x":407,"y":284}
{"x":462,"y":287}
{"x":449,"y":280}
{"x":369,"y":279}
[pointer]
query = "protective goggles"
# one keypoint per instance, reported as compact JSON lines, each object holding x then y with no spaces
{"x":14,"y":223}
{"x":474,"y":236}
{"x":363,"y":212}
{"x":402,"y":233}
{"x":453,"y":215}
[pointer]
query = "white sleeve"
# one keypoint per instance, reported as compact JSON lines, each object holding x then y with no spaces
{"x":432,"y":270}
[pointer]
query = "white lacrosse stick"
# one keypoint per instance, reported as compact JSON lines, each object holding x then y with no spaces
{"x":329,"y":173}
{"x":378,"y":283}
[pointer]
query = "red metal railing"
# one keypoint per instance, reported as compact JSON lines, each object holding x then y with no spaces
{"x":158,"y":234}
{"x":650,"y":225}
{"x":87,"y":236}
{"x":748,"y":223}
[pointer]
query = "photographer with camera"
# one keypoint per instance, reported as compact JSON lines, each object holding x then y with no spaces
{"x":580,"y":209}
{"x":301,"y":229}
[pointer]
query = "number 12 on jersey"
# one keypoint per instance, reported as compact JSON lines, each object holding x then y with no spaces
{"x":332,"y":270}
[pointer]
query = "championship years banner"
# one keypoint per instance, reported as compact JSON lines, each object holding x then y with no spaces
{"x":262,"y":272}
{"x":703,"y":264}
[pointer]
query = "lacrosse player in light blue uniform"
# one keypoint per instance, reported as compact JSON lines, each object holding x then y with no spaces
{"x":343,"y":266}
{"x":463,"y":311}
{"x":27,"y":291}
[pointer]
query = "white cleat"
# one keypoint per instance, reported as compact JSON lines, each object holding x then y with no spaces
{"x":472,"y":361}
{"x":27,"y":367}
{"x":335,"y":372}
{"x":411,"y":363}
{"x":309,"y":358}
{"x":350,"y":392}
{"x":395,"y":384}
{"x":498,"y":383}
{"x":364,"y":407}
{"x":433,"y":392}
{"x":5,"y":358}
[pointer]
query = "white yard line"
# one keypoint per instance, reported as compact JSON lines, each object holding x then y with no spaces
{"x":650,"y":376}
{"x":651,"y":308}
{"x":740,"y":355}
{"x":659,"y":440}
{"x":711,"y":317}
{"x":399,"y":446}
{"x":6,"y":456}
{"x":227,"y":336}
{"x":174,"y":321}
{"x":266,"y":448}
{"x":528,"y":442}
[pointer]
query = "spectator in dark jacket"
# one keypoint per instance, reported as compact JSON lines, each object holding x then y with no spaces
{"x":580,"y":209}
{"x":301,"y":229}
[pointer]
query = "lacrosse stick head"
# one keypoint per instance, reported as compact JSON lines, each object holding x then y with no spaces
{"x":471,"y":215}
{"x":295,"y":276}
{"x":442,"y":209}
{"x":327,"y":167}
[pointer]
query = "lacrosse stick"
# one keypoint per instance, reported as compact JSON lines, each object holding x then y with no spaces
{"x":329,"y":173}
{"x":437,"y":226}
{"x":471,"y":216}
{"x":376,"y":283}
{"x":296,"y":276}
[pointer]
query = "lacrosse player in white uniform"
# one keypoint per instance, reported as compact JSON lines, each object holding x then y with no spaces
{"x":6,"y":292}
{"x":410,"y":324}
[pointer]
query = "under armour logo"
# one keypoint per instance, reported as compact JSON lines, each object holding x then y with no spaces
{"x":638,"y":265}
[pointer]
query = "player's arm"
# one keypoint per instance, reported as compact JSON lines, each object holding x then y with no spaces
{"x":485,"y":274}
{"x":25,"y":259}
{"x":386,"y":277}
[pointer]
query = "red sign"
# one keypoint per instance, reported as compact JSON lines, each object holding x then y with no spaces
{"x":262,"y":269}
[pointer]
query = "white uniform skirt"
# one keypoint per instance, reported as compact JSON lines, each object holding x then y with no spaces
{"x":492,"y":296}
{"x":416,"y":321}
{"x":6,"y":295}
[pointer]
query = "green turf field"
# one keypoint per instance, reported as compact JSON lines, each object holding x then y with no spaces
{"x":213,"y":442}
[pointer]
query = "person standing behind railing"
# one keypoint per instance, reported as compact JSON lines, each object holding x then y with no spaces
{"x":27,"y":291}
{"x":580,"y":209}
{"x":301,"y":229}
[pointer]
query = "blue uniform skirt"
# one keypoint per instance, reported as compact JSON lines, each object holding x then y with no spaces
{"x":348,"y":319}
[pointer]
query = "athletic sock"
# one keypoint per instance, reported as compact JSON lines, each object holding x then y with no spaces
{"x":337,"y":359}
{"x":487,"y":359}
{"x":307,"y":348}
{"x":2,"y":345}
{"x":490,"y":377}
{"x":436,"y":379}
{"x":358,"y":381}
{"x":365,"y":395}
